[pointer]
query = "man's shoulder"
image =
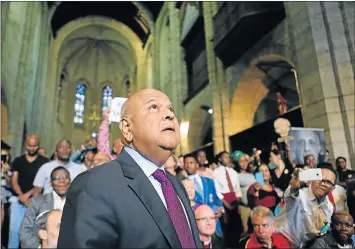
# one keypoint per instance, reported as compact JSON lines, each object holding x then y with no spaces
{"x":19,"y":159}
{"x":40,"y":198}
{"x":110,"y":169}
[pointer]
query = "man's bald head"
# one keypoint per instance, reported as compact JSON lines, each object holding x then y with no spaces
{"x":32,"y":145}
{"x":149,"y":125}
{"x":101,"y":158}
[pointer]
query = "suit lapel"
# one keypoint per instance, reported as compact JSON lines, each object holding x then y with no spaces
{"x":49,"y":201}
{"x":144,"y":190}
{"x":183,"y":197}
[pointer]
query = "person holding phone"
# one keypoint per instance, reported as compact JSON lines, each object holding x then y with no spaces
{"x":262,"y":193}
{"x":307,"y":210}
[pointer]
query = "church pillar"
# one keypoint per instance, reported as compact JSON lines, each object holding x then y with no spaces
{"x":17,"y":123}
{"x":325,"y":67}
{"x":178,"y":81}
{"x":5,"y":9}
{"x":217,"y":84}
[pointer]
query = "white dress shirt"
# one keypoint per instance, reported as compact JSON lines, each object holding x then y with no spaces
{"x":58,"y":201}
{"x":298,"y":217}
{"x":149,"y":168}
{"x":221,"y":183}
{"x":43,"y":176}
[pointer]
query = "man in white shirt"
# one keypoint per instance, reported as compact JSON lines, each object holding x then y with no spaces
{"x":60,"y":180}
{"x":228,"y":190}
{"x":307,"y":212}
{"x":42,"y":180}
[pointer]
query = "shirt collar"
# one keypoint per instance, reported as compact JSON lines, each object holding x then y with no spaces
{"x":56,"y":196}
{"x":195,"y":176}
{"x":147,"y":166}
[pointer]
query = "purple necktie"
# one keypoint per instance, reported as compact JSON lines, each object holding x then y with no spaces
{"x":175,"y":210}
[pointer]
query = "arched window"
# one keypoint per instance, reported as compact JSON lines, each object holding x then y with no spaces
{"x":79,"y":103}
{"x":106,"y":97}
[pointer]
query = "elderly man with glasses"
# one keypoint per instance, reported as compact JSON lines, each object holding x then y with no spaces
{"x":308,"y":210}
{"x":60,"y":180}
{"x":206,"y":224}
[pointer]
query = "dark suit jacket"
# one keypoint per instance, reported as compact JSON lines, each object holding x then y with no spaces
{"x":116,"y":206}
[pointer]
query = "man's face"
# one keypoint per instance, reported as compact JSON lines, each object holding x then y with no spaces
{"x":32,"y":144}
{"x":263,"y":228}
{"x":206,"y":220}
{"x":307,"y":143}
{"x":101,"y":158}
{"x":225,"y":159}
{"x":53,"y":226}
{"x":311,"y":161}
{"x":341,"y":163}
{"x":64,"y":151}
{"x":322,"y":188}
{"x":343,"y":228}
{"x":190,"y":188}
{"x":190,"y":165}
{"x":153,"y":123}
{"x":61,"y":182}
{"x":89,"y":157}
{"x":201,"y":157}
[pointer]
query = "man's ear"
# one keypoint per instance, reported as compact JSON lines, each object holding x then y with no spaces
{"x":43,"y":234}
{"x":125,"y":127}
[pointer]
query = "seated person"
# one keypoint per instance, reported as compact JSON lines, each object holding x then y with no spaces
{"x":49,"y":228}
{"x":206,"y":225}
{"x":264,"y":235}
{"x":60,"y":179}
{"x":341,"y":234}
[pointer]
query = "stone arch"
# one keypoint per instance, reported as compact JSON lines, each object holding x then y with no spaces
{"x":139,"y":5}
{"x":197,"y":129}
{"x":248,"y":94}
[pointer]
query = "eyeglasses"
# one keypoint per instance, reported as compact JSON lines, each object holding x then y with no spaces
{"x":205,"y":219}
{"x":327,"y":182}
{"x":338,"y":223}
{"x":60,"y":178}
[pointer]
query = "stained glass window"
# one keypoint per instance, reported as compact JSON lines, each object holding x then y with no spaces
{"x":79,"y":103}
{"x":106,"y":97}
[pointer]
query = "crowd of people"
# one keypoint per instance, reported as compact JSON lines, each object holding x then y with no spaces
{"x":236,"y":200}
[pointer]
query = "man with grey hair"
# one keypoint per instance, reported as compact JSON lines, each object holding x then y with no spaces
{"x":264,"y":235}
{"x":49,"y":224}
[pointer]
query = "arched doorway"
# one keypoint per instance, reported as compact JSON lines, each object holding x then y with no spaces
{"x":268,"y":89}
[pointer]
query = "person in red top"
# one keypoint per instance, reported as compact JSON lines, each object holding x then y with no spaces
{"x":265,"y":195}
{"x":264,"y":235}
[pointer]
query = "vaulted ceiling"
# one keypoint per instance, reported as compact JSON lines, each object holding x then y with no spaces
{"x":125,"y":12}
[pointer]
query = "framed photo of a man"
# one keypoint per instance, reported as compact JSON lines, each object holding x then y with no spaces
{"x":307,"y":141}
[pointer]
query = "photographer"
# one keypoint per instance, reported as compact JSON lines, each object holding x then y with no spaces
{"x":307,"y":211}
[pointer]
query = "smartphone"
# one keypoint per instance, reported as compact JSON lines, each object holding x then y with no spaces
{"x":310,"y":175}
{"x":259,"y":178}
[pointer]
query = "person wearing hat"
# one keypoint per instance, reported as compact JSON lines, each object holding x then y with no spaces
{"x":245,"y":179}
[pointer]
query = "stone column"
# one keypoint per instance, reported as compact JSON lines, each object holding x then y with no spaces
{"x":217,"y":84}
{"x":17,"y":123}
{"x":325,"y":71}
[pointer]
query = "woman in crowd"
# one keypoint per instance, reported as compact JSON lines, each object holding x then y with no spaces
{"x":245,"y":180}
{"x":263,"y":195}
{"x":281,"y":171}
